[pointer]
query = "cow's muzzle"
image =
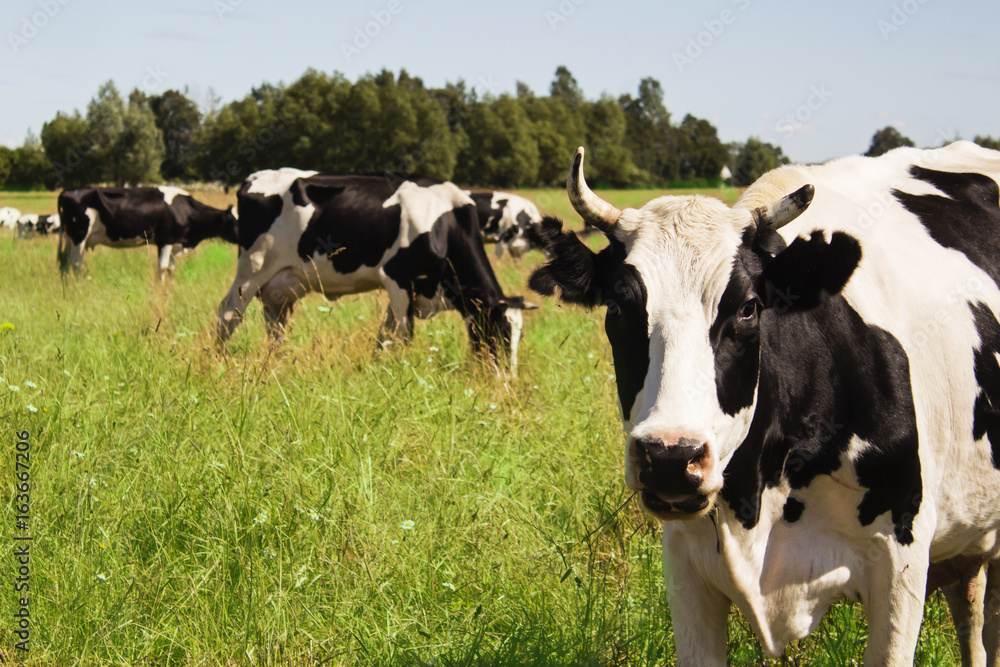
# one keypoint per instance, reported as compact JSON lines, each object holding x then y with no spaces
{"x":672,"y":474}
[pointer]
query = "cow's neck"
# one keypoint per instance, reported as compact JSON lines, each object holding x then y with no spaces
{"x":204,"y":224}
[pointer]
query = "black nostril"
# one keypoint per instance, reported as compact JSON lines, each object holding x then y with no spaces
{"x":685,"y":451}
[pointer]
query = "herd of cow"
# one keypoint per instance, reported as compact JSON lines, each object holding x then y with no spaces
{"x":809,"y":381}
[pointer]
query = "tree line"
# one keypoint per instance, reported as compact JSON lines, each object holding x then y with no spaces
{"x":385,"y":121}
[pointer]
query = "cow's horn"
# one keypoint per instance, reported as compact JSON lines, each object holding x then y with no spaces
{"x":780,"y":213}
{"x":591,"y":208}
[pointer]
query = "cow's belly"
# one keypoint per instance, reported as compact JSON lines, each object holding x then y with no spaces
{"x":968,"y":505}
{"x":321,"y":277}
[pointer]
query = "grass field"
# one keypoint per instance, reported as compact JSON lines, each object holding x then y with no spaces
{"x":321,"y":503}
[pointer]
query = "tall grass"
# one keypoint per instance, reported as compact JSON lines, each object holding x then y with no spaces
{"x":321,"y":502}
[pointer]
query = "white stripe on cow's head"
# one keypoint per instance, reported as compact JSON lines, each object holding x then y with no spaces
{"x":686,"y":282}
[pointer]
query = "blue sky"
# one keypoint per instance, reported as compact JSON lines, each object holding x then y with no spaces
{"x":817,"y":78}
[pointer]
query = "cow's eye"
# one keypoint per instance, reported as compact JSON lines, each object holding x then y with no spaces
{"x":748,"y":313}
{"x":613,"y":309}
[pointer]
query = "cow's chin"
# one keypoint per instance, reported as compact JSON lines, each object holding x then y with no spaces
{"x":666,"y":507}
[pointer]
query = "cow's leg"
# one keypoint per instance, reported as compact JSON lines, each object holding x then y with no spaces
{"x":965,"y":600}
{"x":398,"y":322}
{"x":166,"y":260}
{"x":279,"y":297}
{"x":71,"y":254}
{"x":991,"y":614}
{"x":244,"y":288}
{"x":894,"y":604}
{"x":699,"y":612}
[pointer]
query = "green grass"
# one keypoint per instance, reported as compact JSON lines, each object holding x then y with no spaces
{"x":321,"y":503}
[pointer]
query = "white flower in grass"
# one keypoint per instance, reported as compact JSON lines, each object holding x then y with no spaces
{"x":13,"y":387}
{"x":194,"y":399}
{"x":493,"y":406}
{"x":66,"y":373}
{"x":32,"y":408}
{"x":29,"y":383}
{"x":102,"y":577}
{"x":469,"y":393}
{"x":93,"y":482}
{"x":313,"y":514}
{"x":395,"y":542}
{"x":449,"y":586}
{"x":260,"y":519}
{"x":434,"y":349}
{"x":408,"y":524}
{"x":77,"y":454}
{"x":107,"y":377}
{"x":269,"y":554}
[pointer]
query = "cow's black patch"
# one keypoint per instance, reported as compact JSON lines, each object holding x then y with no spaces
{"x":589,"y":279}
{"x":827,"y":376}
{"x":986,"y":420}
{"x":626,"y":324}
{"x":966,"y":220}
{"x":257,"y":213}
{"x":792,"y":511}
{"x":735,"y":337}
{"x":350,"y":227}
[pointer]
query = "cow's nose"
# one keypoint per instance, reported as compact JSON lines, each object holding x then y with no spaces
{"x":671,"y":465}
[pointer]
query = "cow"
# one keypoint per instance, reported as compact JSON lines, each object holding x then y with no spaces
{"x":810,"y":389}
{"x":166,"y":216}
{"x":9,"y":217}
{"x":32,"y":223}
{"x":504,"y":219}
{"x":303,"y":231}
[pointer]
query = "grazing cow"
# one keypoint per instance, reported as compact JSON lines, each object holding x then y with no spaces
{"x":127,"y":217}
{"x":302,"y":232}
{"x":32,"y":223}
{"x":9,"y":217}
{"x":810,"y":386}
{"x":504,"y":219}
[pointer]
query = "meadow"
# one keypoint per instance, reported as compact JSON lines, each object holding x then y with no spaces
{"x":321,"y":502}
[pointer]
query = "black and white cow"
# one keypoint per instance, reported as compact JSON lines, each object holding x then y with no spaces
{"x":504,"y":219}
{"x":302,"y":231}
{"x":33,"y":223}
{"x":810,"y":386}
{"x":166,"y":216}
{"x":9,"y":217}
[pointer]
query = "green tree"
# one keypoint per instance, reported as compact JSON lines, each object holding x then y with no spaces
{"x":557,"y":130}
{"x":6,"y":164}
{"x":988,"y":142}
{"x":565,"y":88}
{"x":178,"y":119}
{"x":885,"y":140}
{"x":502,"y":151}
{"x":701,"y":153}
{"x":30,"y":167}
{"x":648,"y":134}
{"x":106,"y":117}
{"x":139,"y":148}
{"x":67,"y":141}
{"x":609,"y":160}
{"x":756,"y":158}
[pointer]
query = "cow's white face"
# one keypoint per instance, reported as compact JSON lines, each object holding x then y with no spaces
{"x":687,"y":282}
{"x":670,"y":339}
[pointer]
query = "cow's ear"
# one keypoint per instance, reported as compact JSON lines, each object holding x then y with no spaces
{"x":572,"y":266}
{"x":810,"y":270}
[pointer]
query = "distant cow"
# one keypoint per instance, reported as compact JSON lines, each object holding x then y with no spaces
{"x":809,"y":383}
{"x":302,"y":231}
{"x":504,"y":219}
{"x":9,"y":217}
{"x":166,"y":216}
{"x":32,"y":223}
